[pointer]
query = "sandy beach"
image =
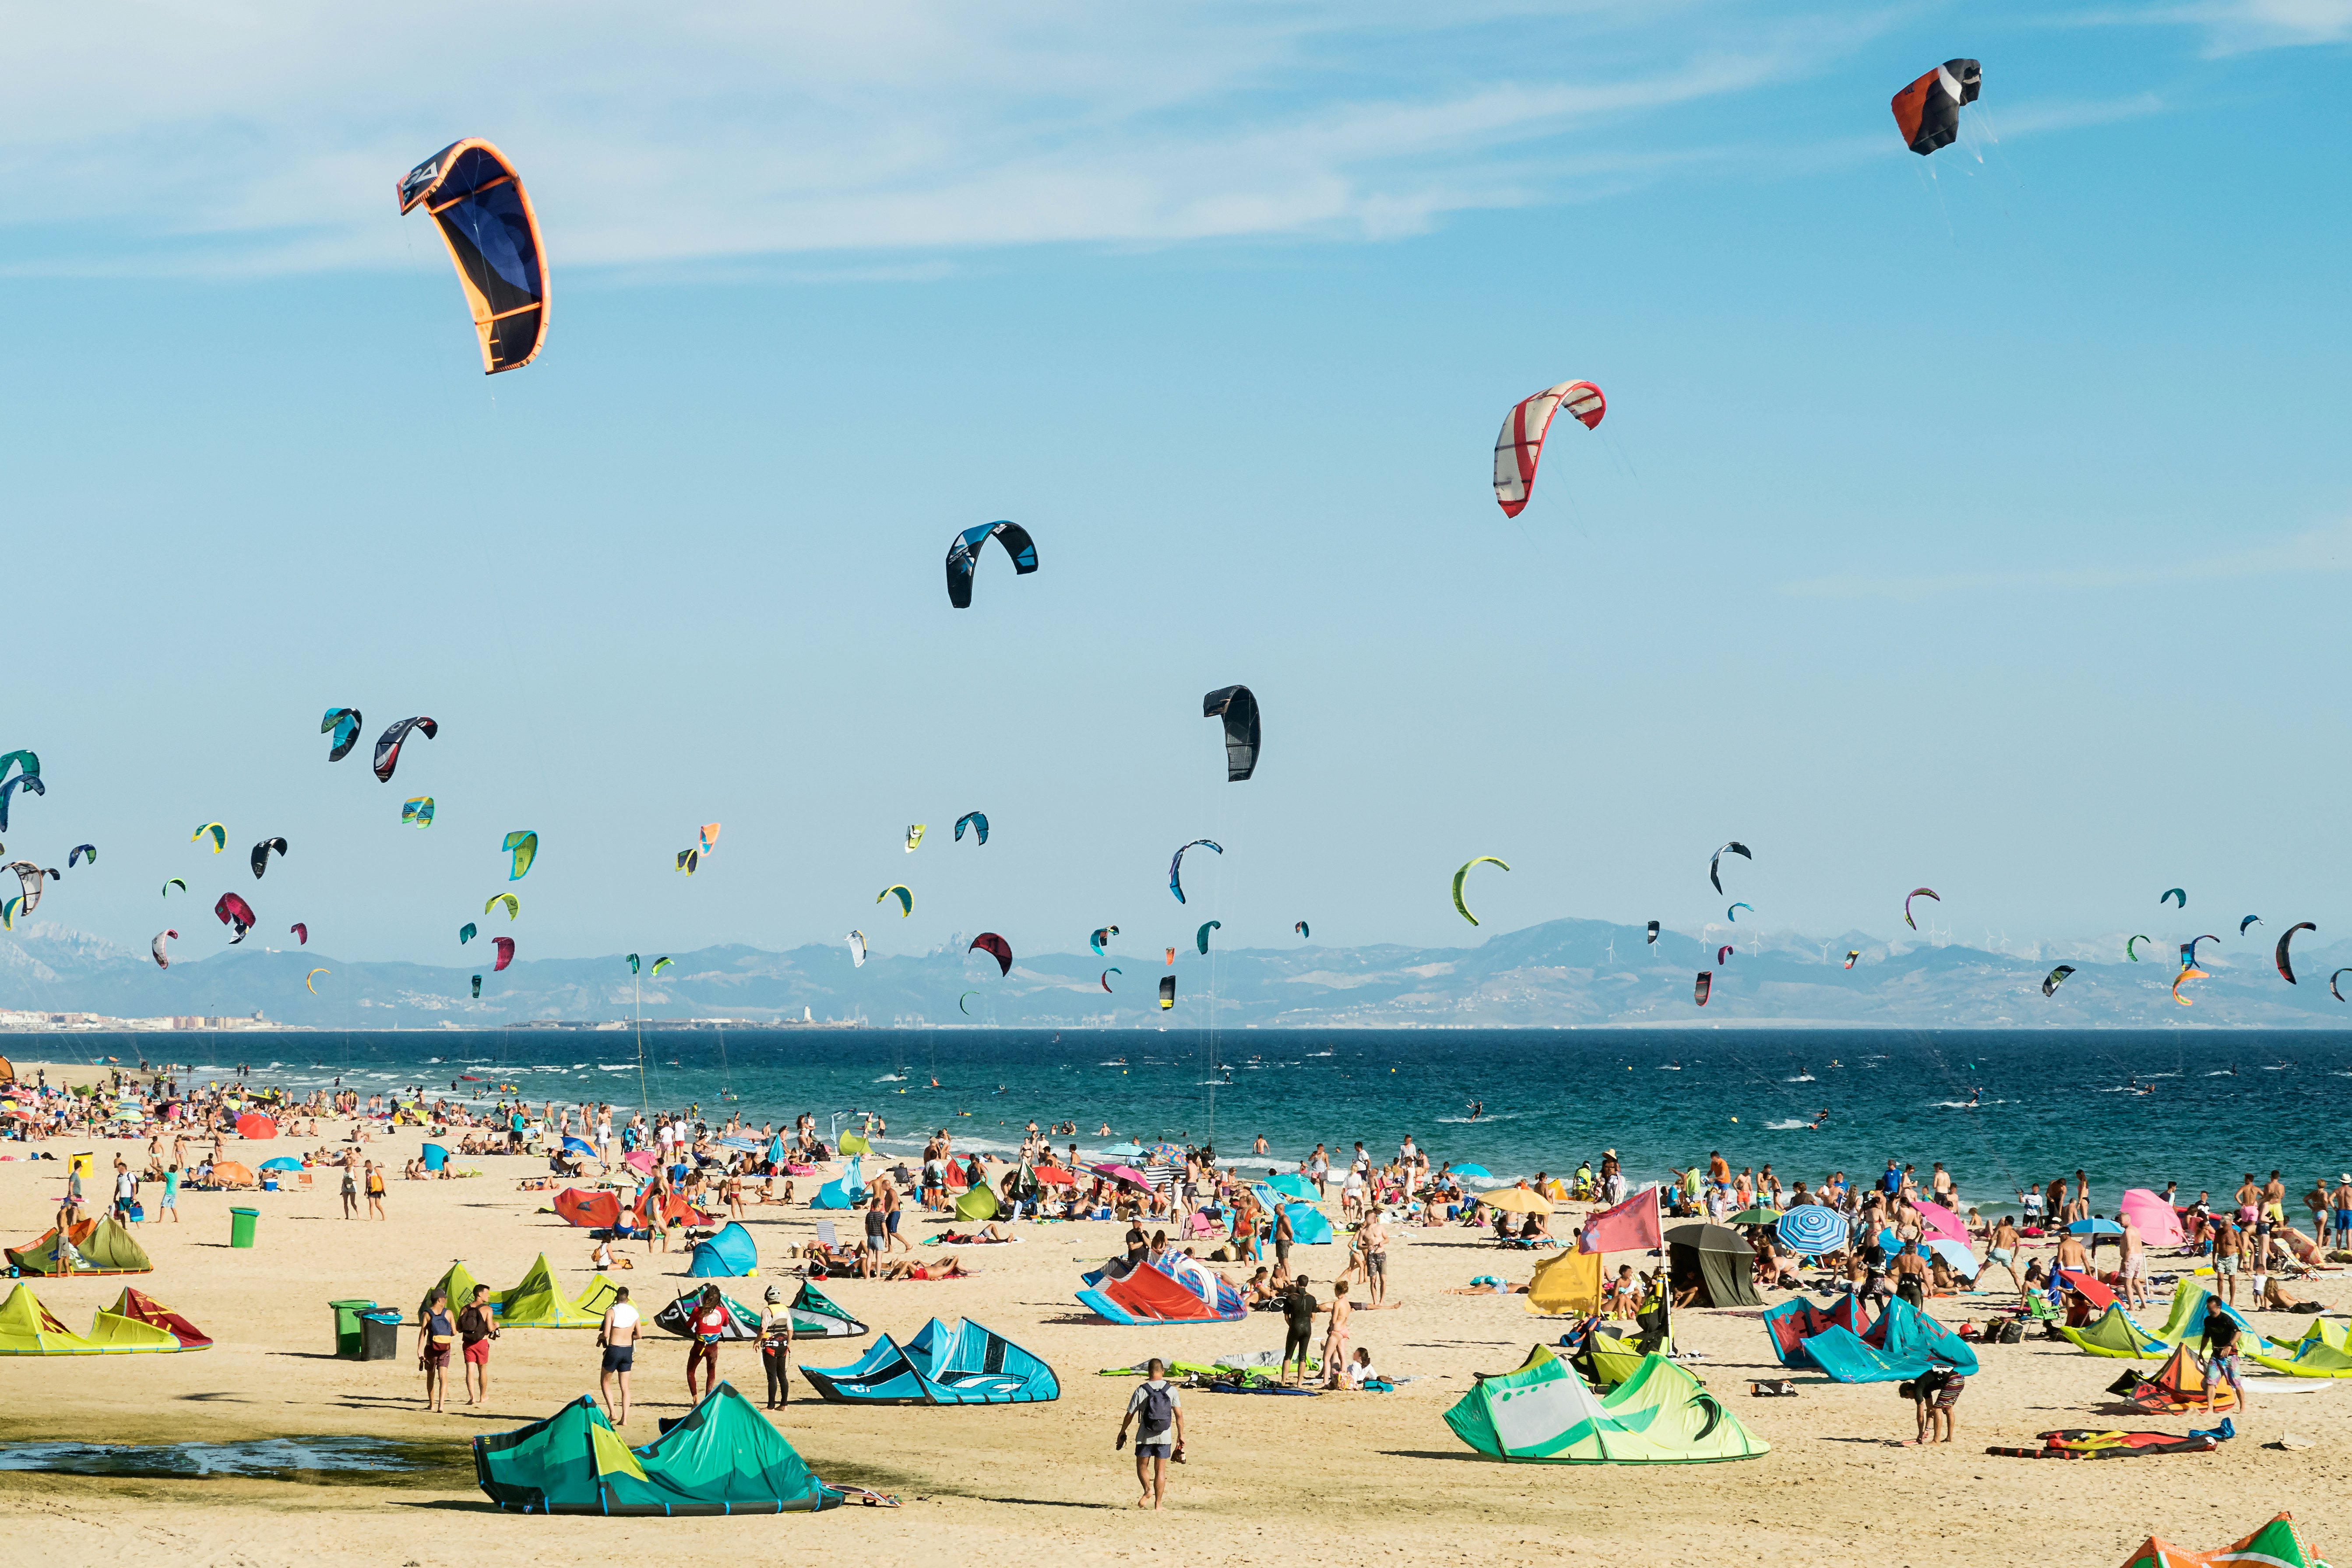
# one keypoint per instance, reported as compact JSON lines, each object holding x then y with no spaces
{"x":1343,"y":1479}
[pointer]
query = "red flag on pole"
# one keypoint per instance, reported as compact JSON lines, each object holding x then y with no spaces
{"x":1632,"y":1225}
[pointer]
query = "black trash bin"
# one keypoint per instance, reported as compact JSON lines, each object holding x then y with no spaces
{"x":380,"y":1336}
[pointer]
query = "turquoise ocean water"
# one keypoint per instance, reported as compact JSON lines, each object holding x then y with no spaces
{"x":2221,"y":1103}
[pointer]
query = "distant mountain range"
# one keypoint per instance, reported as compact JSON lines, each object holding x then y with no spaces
{"x":1562,"y":973}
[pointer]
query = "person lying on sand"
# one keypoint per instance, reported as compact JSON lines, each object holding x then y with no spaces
{"x":936,"y":1269}
{"x":1489,"y":1286}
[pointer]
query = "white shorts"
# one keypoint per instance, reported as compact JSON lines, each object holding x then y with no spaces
{"x":2135,"y":1268}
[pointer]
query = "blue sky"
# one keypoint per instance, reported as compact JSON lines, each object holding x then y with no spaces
{"x":1979,"y":522}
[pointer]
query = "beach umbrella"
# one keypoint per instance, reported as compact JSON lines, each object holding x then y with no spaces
{"x":126,"y":1115}
{"x":1472,"y":1168}
{"x":1941,"y":1222}
{"x":1292,"y":1186}
{"x":2096,"y":1228}
{"x":1126,"y":1174}
{"x":1519,"y":1200}
{"x":1963,"y":1261}
{"x":1054,"y":1176}
{"x":1812,"y":1229}
{"x":283,"y":1163}
{"x":1758,"y":1216}
{"x":1167,"y":1153}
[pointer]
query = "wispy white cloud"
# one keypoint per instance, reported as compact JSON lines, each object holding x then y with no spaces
{"x":265,"y":135}
{"x":2240,"y":26}
{"x":2321,"y":550}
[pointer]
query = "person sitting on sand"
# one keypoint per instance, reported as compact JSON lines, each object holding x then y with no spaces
{"x":1261,"y":1292}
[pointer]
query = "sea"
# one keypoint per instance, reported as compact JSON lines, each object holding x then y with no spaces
{"x":2001,"y":1110}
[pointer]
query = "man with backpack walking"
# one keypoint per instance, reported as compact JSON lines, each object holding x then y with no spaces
{"x":1159,"y":1436}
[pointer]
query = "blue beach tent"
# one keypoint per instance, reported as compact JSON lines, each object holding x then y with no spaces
{"x":845,"y":1190}
{"x":729,"y":1255}
{"x":436,"y":1156}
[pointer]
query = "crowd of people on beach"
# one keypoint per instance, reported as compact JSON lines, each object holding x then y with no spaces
{"x":1908,"y":1235}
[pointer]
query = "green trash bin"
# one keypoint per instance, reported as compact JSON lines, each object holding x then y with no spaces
{"x":240,"y":1226}
{"x":350,"y":1341}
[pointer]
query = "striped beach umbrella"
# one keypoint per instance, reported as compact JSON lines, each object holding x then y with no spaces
{"x":1811,"y":1229}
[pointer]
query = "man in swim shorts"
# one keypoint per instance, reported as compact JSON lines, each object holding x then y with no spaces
{"x":475,"y":1333}
{"x":617,"y":1336}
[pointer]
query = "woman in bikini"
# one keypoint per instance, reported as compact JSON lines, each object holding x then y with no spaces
{"x":709,"y":1323}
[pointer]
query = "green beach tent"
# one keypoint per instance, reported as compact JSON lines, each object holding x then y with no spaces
{"x":2114,"y":1333}
{"x":722,"y":1458}
{"x":1660,"y":1415}
{"x":978,"y":1204}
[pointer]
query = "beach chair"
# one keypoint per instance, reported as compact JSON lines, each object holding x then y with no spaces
{"x":825,"y":1235}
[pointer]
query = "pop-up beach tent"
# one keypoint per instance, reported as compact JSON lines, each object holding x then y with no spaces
{"x":729,"y":1255}
{"x":723,"y":1458}
{"x":1718,"y":1259}
{"x":966,"y":1365}
{"x":845,"y":1190}
{"x":1661,"y":1415}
